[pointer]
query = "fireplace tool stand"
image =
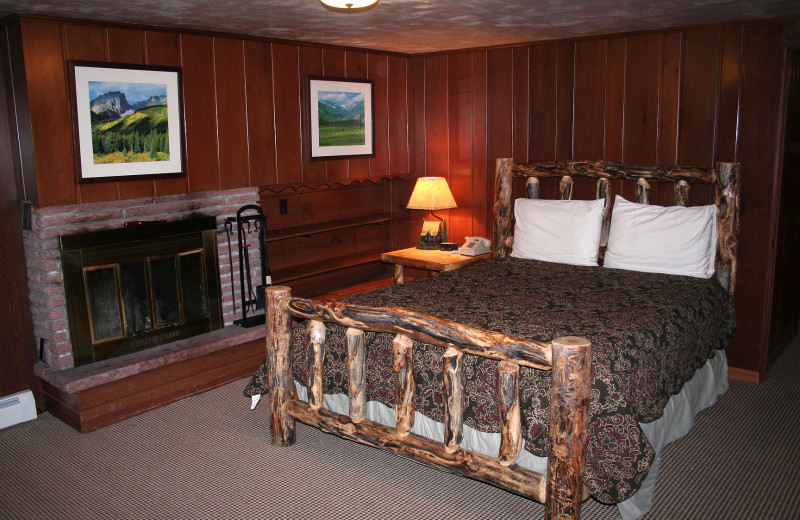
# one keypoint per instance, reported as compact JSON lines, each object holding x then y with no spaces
{"x":252,"y":300}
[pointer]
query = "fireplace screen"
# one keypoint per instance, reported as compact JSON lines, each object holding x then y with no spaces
{"x":140,"y":286}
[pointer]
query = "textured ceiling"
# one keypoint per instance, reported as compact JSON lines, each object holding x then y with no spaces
{"x":413,"y":26}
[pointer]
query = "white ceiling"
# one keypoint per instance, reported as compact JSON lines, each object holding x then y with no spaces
{"x":413,"y":26}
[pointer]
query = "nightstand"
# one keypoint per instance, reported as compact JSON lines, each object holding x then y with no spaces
{"x":430,"y":259}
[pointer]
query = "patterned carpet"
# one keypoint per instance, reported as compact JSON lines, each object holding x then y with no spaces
{"x":209,"y":456}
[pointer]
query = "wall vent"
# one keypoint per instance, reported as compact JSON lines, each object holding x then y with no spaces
{"x":17,"y":408}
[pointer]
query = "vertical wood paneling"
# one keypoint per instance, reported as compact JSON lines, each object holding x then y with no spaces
{"x":199,"y":108}
{"x":590,"y":99}
{"x":358,"y":68}
{"x":669,"y":98}
{"x":286,"y":90}
{"x":762,"y":81}
{"x":379,"y":73}
{"x":542,"y":119}
{"x":615,"y":98}
{"x":699,"y":88}
{"x":89,"y":43}
{"x":128,"y":46}
{"x":260,"y":113}
{"x":310,"y":65}
{"x":164,"y":48}
{"x":436,"y":115}
{"x":521,"y":99}
{"x":335,"y":65}
{"x":730,"y":74}
{"x":460,"y":99}
{"x":643,"y":69}
{"x":397,"y":92}
{"x":482,"y":171}
{"x":51,"y":120}
{"x":229,"y":82}
{"x":565,"y":97}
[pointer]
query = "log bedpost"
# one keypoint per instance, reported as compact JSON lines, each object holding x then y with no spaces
{"x":603,"y":191}
{"x":356,"y":386}
{"x":727,"y":200}
{"x":279,"y":364}
{"x":315,"y":345}
{"x":404,"y":386}
{"x":569,"y":411}
{"x":453,"y":398}
{"x":503,"y":216}
{"x":508,"y":408}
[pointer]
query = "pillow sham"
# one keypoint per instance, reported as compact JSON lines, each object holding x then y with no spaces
{"x":561,"y":231}
{"x":662,"y":239}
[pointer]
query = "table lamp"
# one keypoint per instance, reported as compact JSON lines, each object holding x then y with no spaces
{"x":431,"y":194}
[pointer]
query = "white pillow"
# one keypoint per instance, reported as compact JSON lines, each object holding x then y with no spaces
{"x":562,"y":231}
{"x":659,"y":239}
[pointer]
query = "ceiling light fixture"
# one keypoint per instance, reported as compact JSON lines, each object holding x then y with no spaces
{"x":349,"y":6}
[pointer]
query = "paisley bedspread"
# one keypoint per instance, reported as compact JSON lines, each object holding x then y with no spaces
{"x":649,"y":334}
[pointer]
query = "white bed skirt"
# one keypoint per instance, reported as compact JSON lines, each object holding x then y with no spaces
{"x":697,"y":394}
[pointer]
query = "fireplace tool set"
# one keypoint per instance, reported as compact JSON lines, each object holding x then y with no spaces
{"x":249,"y":221}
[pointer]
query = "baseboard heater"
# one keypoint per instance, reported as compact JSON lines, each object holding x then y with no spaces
{"x":17,"y":408}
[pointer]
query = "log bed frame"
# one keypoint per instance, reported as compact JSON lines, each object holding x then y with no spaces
{"x":569,"y":358}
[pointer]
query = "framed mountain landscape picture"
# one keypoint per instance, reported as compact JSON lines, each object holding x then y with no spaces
{"x":128,"y":121}
{"x":340,"y":117}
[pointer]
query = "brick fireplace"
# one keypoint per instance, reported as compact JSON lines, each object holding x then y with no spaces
{"x":62,"y":380}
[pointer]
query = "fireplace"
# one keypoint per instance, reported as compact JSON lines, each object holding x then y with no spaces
{"x":140,"y":286}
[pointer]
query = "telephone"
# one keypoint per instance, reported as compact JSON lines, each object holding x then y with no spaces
{"x":474,"y":246}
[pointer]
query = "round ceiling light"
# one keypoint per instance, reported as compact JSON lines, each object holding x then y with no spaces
{"x":349,"y":6}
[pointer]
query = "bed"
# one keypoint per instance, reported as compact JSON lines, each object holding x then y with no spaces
{"x":551,"y":371}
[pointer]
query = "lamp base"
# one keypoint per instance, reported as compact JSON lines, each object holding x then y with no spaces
{"x":448,"y":246}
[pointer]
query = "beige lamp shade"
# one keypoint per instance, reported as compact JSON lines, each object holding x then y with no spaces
{"x":431,"y":193}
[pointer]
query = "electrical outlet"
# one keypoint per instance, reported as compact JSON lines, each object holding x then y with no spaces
{"x":284,"y":209}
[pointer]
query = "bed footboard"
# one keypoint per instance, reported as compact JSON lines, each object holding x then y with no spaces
{"x":569,"y":358}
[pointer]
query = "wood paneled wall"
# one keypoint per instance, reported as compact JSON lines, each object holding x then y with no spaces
{"x":694,"y":96}
{"x":243,"y":107}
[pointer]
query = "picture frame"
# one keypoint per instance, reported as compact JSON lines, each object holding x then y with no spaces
{"x":127,"y":121}
{"x":340,"y":117}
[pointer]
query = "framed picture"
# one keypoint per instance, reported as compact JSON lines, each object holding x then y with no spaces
{"x":128,"y":121}
{"x":340,"y":118}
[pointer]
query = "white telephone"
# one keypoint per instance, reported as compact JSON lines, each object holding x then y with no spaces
{"x":474,"y":246}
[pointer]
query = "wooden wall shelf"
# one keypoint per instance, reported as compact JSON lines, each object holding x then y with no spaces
{"x":332,"y":233}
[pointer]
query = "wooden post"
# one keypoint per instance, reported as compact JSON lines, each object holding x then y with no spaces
{"x":603,"y":191}
{"x":682,"y":194}
{"x":503,"y":216}
{"x":356,"y":386}
{"x":509,"y":410}
{"x":405,"y":387}
{"x":642,"y":191}
{"x":279,"y":364}
{"x":565,"y":188}
{"x":399,"y":274}
{"x":532,"y":188}
{"x":315,"y":354}
{"x":569,"y":412}
{"x":727,"y":199}
{"x":453,"y":399}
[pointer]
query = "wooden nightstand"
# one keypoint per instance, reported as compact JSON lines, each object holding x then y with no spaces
{"x":430,"y":259}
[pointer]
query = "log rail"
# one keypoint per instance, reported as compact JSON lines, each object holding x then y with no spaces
{"x":569,"y":359}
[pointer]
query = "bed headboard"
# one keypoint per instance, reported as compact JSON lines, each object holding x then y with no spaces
{"x":724,"y":179}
